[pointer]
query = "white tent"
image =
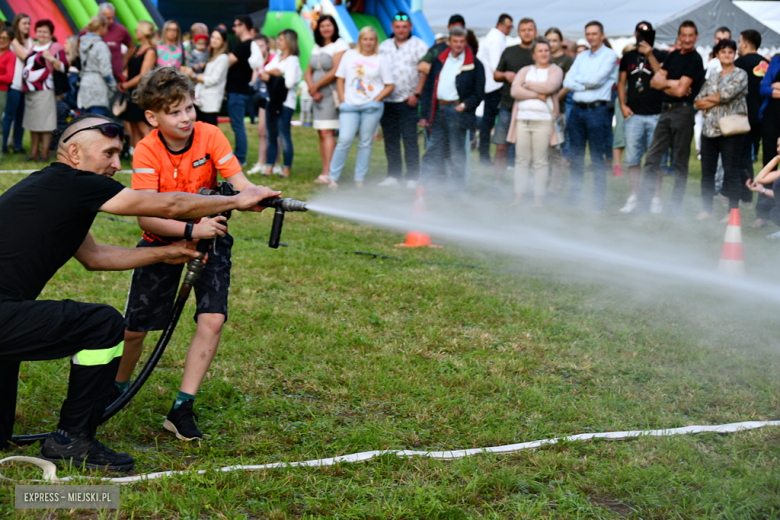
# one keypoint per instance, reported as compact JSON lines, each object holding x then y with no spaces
{"x":618,"y":16}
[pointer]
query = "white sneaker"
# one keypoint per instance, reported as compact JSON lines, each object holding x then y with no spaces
{"x":390,"y":181}
{"x":277,"y":170}
{"x":257,"y":168}
{"x":630,"y":205}
{"x":774,"y":236}
{"x":656,"y":206}
{"x":412,"y":185}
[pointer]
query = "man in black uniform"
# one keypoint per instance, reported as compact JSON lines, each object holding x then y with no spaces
{"x":52,"y":211}
{"x":679,"y":79}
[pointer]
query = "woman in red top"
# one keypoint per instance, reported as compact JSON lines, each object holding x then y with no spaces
{"x":7,"y":66}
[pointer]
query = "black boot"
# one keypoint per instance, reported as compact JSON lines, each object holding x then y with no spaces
{"x":84,"y":452}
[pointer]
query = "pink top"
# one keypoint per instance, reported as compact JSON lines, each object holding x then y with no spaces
{"x":551,"y":87}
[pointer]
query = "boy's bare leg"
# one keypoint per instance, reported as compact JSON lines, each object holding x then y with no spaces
{"x":134,"y":346}
{"x":201,"y":352}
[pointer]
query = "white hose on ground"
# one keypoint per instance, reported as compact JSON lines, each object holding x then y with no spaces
{"x":50,"y":469}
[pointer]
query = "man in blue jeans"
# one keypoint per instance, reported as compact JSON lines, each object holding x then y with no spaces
{"x":640,"y":104}
{"x":245,"y":57}
{"x":591,"y":78}
{"x":453,"y":90}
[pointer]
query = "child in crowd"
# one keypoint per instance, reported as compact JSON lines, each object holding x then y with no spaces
{"x":180,"y":154}
{"x":198,"y":57}
{"x":307,"y":103}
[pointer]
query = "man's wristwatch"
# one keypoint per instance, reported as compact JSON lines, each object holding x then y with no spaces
{"x":188,"y":231}
{"x":418,"y":96}
{"x":763,"y":192}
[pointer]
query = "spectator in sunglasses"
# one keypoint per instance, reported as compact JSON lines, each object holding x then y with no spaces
{"x":402,"y":52}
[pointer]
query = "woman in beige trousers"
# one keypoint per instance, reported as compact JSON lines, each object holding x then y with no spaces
{"x":535,"y":90}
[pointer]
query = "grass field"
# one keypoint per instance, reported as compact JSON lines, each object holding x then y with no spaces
{"x":327,"y":354}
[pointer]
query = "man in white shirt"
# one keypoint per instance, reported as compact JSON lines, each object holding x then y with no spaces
{"x":453,"y":91}
{"x":591,"y":79}
{"x":489,"y":54}
{"x":399,"y":120}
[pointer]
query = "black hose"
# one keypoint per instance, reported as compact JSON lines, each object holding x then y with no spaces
{"x":194,"y":268}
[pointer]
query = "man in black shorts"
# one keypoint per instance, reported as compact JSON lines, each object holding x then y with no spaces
{"x":52,"y":211}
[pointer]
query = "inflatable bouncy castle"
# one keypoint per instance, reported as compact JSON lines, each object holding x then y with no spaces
{"x":287,"y":14}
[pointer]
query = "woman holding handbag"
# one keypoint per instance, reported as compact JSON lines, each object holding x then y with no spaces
{"x":723,"y":98}
{"x":535,"y":115}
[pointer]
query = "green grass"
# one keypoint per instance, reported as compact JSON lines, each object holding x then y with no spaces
{"x":328,"y":354}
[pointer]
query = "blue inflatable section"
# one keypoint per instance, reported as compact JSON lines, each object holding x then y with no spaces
{"x":346,"y":24}
{"x":421,"y":29}
{"x":385,"y":10}
{"x":282,"y":5}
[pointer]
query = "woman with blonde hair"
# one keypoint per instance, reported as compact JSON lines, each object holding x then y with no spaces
{"x":284,"y":67}
{"x":363,"y":80}
{"x":97,"y":85}
{"x":210,"y":88}
{"x":141,"y":62}
{"x":170,"y":51}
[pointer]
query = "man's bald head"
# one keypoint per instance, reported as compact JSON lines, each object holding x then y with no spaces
{"x":89,"y":150}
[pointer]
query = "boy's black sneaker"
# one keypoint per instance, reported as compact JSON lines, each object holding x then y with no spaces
{"x":181,"y":421}
{"x":84,"y":452}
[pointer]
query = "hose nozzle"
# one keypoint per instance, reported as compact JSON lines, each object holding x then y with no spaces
{"x":283,"y":204}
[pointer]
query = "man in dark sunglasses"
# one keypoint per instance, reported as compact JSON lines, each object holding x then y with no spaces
{"x":52,"y":210}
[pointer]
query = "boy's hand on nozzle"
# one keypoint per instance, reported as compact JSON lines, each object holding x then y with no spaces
{"x":209,"y":227}
{"x":180,"y":252}
{"x":248,"y":199}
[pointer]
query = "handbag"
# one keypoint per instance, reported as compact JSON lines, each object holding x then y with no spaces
{"x":120,"y":105}
{"x":734,"y":125}
{"x":61,"y":83}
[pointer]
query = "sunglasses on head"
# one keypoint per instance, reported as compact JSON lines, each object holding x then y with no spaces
{"x":401,"y":17}
{"x":110,"y":130}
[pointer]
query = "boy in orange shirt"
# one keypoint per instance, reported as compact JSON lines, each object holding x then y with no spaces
{"x":179,"y":155}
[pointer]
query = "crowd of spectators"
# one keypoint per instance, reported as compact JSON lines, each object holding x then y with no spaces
{"x":536,"y":106}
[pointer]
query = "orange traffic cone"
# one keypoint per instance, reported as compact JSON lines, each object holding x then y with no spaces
{"x":418,"y":238}
{"x":731,"y":261}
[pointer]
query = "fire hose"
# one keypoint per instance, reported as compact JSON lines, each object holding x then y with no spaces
{"x":194,"y":268}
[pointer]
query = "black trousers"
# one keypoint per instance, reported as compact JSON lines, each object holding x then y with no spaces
{"x":206,"y":117}
{"x":399,"y":121}
{"x":42,"y":330}
{"x":770,"y":132}
{"x":768,"y":208}
{"x":492,"y":100}
{"x":750,"y":143}
{"x":730,"y":149}
{"x":674,"y":129}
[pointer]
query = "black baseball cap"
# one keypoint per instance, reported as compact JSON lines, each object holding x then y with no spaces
{"x":456,"y":18}
{"x":648,"y":24}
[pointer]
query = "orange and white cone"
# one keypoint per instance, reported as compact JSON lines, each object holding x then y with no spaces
{"x":418,"y":238}
{"x":731,"y":260}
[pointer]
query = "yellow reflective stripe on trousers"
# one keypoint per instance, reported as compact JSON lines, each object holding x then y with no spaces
{"x":91,"y":358}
